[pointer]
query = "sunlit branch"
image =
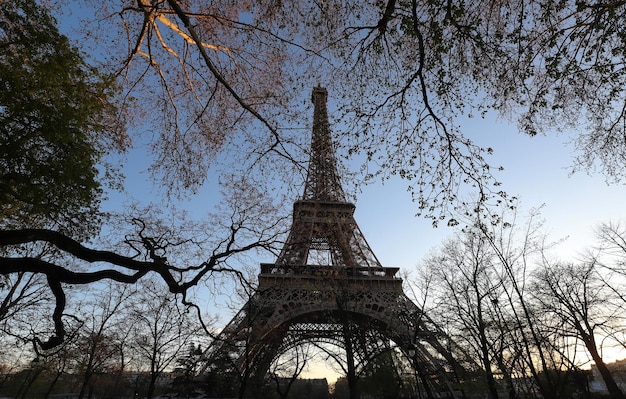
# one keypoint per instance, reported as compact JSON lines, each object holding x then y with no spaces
{"x":182,"y":15}
{"x":189,"y":39}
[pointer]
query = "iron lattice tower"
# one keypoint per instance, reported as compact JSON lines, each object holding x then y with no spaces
{"x":328,"y":286}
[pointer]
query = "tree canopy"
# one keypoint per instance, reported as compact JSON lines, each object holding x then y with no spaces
{"x":57,"y":120}
{"x":215,"y":81}
{"x":402,"y":73}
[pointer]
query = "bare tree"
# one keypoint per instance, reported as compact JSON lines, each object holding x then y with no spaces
{"x":97,"y":352}
{"x":286,"y":369}
{"x":23,"y":296}
{"x":518,"y":247}
{"x":162,"y":329}
{"x":610,"y":258}
{"x":58,"y":365}
{"x":478,"y":290}
{"x":467,"y":296}
{"x":611,"y":250}
{"x":577,"y":297}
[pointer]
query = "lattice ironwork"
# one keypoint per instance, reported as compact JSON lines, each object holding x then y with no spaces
{"x":303,"y":298}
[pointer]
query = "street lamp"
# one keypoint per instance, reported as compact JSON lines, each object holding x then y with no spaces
{"x":411,"y":350}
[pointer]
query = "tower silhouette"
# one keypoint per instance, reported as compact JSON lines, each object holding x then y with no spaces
{"x":327,"y":286}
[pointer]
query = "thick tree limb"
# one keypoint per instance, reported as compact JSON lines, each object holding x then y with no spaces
{"x":71,"y":246}
{"x":64,"y":275}
{"x":116,"y":267}
{"x":386,"y":17}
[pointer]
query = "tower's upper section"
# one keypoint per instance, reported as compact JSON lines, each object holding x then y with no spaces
{"x":324,"y":237}
{"x":322,"y":183}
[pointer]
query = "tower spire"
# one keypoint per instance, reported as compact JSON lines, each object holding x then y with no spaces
{"x":324,"y":231}
{"x":322,"y":183}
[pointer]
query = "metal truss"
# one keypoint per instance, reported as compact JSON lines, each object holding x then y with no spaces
{"x":328,"y":287}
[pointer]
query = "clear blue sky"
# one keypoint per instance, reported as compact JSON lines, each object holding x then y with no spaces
{"x":537,"y":169}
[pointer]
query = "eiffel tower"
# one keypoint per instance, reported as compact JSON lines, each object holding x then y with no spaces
{"x":327,"y":286}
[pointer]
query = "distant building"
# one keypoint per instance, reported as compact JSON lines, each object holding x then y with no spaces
{"x":308,"y":388}
{"x":618,"y":371}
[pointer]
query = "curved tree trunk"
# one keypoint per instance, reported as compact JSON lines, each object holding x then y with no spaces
{"x":609,"y":381}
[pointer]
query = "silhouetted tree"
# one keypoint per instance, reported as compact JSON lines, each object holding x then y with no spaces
{"x":577,"y":297}
{"x":187,"y":383}
{"x":476,"y":287}
{"x":286,"y":369}
{"x":97,"y":352}
{"x":162,"y":330}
